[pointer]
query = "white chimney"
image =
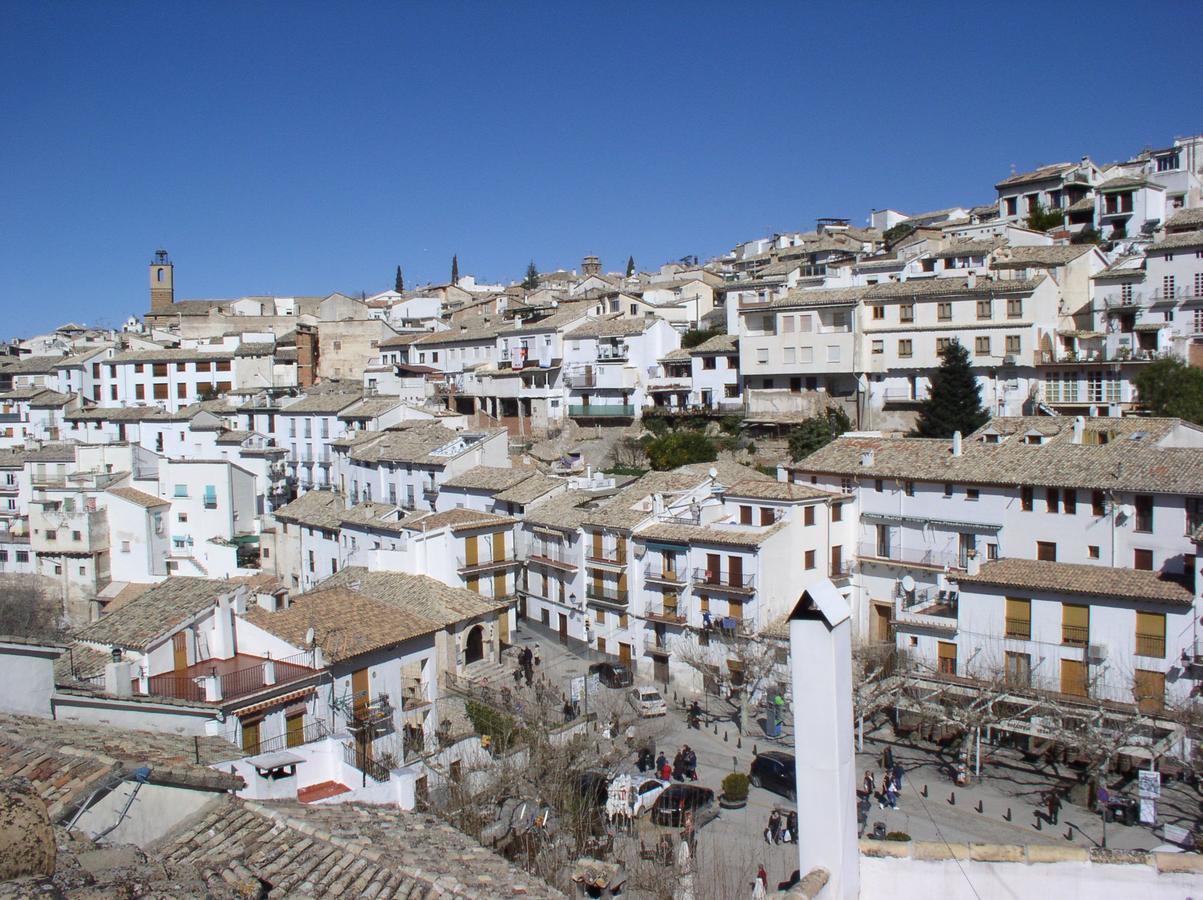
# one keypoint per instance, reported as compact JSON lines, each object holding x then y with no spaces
{"x":1079,"y":428}
{"x":971,"y":279}
{"x":973,"y":565}
{"x":866,"y":458}
{"x":956,"y":443}
{"x":117,"y":679}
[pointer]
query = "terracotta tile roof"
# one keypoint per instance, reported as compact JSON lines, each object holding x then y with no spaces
{"x":1180,"y":241}
{"x":458,"y":519}
{"x":329,"y":404}
{"x":811,"y":297}
{"x":632,"y":505}
{"x":378,"y":516}
{"x":720,"y":343}
{"x":346,"y":622}
{"x":611,"y":326}
{"x":65,"y":760}
{"x":1032,"y":257}
{"x":777,"y":490}
{"x":529,"y":490}
{"x":141,"y":498}
{"x":139,"y":623}
{"x":317,"y":509}
{"x":1186,"y":218}
{"x":370,"y":407}
{"x":1129,"y":461}
{"x":1042,"y":174}
{"x":932,"y":287}
{"x":419,"y":595}
{"x":342,"y":850}
{"x":565,"y":512}
{"x":489,"y":478}
{"x":968,"y":248}
{"x":414,"y":442}
{"x":171,"y":354}
{"x":745,"y":536}
{"x":1081,"y":580}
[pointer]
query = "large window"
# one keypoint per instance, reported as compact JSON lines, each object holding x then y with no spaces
{"x":1150,"y":634}
{"x":1019,"y":618}
{"x":1075,"y":624}
{"x":1144,"y":513}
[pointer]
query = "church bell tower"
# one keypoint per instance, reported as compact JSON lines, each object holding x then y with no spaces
{"x":162,"y":291}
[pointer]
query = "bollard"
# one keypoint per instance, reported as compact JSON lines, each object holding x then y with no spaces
{"x":1007,"y":814}
{"x":755,"y":752}
{"x":716,"y":727}
{"x":979,"y":806}
{"x":952,"y":798}
{"x":724,"y":735}
{"x":924,"y":792}
{"x":739,"y":743}
{"x":1039,"y":825}
{"x":1069,"y":834}
{"x":734,"y":764}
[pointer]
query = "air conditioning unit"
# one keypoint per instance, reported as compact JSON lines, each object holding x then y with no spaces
{"x":1097,"y":653}
{"x":1008,"y":361}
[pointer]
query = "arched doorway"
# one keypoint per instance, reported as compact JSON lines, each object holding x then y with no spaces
{"x":476,"y":645}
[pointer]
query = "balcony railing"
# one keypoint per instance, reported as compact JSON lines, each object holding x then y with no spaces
{"x":605,"y":594}
{"x":673,"y":614}
{"x":557,"y":560}
{"x":917,"y":556}
{"x":364,"y":763}
{"x":1150,"y":645}
{"x":181,"y":687}
{"x":480,"y":565}
{"x":581,"y":379}
{"x":314,"y":731}
{"x":1019,"y":629}
{"x":253,"y":679}
{"x":612,"y":353}
{"x":665,"y":576}
{"x":1075,"y":635}
{"x":618,"y":559}
{"x":724,"y":581}
{"x":599,"y":411}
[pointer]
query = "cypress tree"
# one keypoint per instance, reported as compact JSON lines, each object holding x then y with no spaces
{"x":954,"y":402}
{"x":630,"y":266}
{"x":455,"y":269}
{"x":399,"y":282}
{"x":531,"y":282}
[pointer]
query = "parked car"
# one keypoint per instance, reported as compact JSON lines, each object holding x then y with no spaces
{"x":649,"y":791}
{"x":677,"y":799}
{"x":647,"y":702}
{"x":774,"y":770}
{"x":614,"y":675}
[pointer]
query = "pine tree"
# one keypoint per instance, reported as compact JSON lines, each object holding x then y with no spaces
{"x":954,"y":402}
{"x":455,"y":269}
{"x":399,"y":282}
{"x":630,"y":266}
{"x":531,"y":282}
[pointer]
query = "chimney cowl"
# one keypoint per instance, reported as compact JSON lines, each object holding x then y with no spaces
{"x":956,"y":443}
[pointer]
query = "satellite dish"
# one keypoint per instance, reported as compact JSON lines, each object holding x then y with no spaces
{"x":310,"y":635}
{"x":908,"y":583}
{"x":713,"y":472}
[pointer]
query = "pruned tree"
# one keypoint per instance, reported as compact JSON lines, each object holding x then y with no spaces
{"x":876,"y":681}
{"x":629,"y":453}
{"x":399,"y":282}
{"x":455,"y":269}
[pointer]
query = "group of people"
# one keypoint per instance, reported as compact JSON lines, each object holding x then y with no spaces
{"x":683,"y":767}
{"x":781,"y":829}
{"x":526,"y":667}
{"x":890,"y":786}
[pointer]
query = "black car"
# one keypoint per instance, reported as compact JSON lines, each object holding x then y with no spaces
{"x":682,"y":798}
{"x":615,"y":675}
{"x":774,"y":770}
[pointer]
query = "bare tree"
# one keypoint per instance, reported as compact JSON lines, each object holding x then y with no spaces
{"x":742,"y":666}
{"x":628,"y":452}
{"x":26,"y":610}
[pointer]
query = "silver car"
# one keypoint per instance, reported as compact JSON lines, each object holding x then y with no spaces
{"x":647,"y":702}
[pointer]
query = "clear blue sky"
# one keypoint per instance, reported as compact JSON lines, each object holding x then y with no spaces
{"x":300,"y":148}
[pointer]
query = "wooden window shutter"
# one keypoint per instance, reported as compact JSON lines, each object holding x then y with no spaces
{"x":471,"y":551}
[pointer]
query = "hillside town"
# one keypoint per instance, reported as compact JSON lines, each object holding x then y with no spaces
{"x":278,"y":573}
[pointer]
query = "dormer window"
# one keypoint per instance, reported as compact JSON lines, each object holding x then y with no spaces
{"x":990,"y":438}
{"x":1031,"y":438}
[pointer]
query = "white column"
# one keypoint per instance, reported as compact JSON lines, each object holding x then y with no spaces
{"x":821,"y":664}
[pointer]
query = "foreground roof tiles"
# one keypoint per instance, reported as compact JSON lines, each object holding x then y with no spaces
{"x":137,"y":624}
{"x":1085,"y":580}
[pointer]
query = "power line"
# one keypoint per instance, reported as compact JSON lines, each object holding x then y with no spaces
{"x":940,"y":832}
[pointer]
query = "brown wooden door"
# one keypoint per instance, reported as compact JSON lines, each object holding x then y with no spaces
{"x":947,"y":652}
{"x":714,"y":568}
{"x":498,"y":585}
{"x":471,"y":551}
{"x":881,"y":622}
{"x":295,"y":729}
{"x":1073,"y":677}
{"x":563,"y":629}
{"x":498,"y":546}
{"x":837,"y":560}
{"x":179,"y":651}
{"x":620,"y":549}
{"x":250,"y":736}
{"x":660,"y":670}
{"x":736,"y":569}
{"x":359,"y":690}
{"x":598,"y":552}
{"x":624,"y":653}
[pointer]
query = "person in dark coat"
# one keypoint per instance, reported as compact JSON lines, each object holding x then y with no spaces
{"x":1054,"y":807}
{"x":773,"y":832}
{"x":897,"y":776}
{"x":791,"y":824}
{"x":679,"y":766}
{"x":691,"y":763}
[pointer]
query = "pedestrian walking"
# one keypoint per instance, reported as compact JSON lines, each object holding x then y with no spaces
{"x":691,"y":763}
{"x":760,"y":887}
{"x":791,"y":825}
{"x":898,"y":776}
{"x":773,"y":831}
{"x":1054,"y":807}
{"x":568,"y":714}
{"x":665,"y":769}
{"x":887,"y":758}
{"x":679,"y":766}
{"x":884,"y":795}
{"x":869,"y":783}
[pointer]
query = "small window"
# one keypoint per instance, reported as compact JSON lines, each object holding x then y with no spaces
{"x":879,"y":347}
{"x":905,"y":349}
{"x":1025,"y":498}
{"x":908,"y":488}
{"x":1142,"y":560}
{"x":808,"y":515}
{"x":906,"y":312}
{"x":944,"y":311}
{"x":1046,"y":550}
{"x":981,"y":345}
{"x":1014,"y":344}
{"x":1098,"y":504}
{"x":1092,"y":551}
{"x":972,"y":493}
{"x":947,"y":489}
{"x":810,"y":559}
{"x":878,"y":485}
{"x":879,"y":313}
